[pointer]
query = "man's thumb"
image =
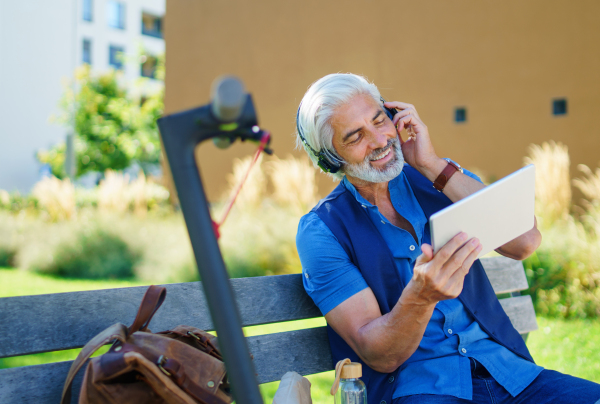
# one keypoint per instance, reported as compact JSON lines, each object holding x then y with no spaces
{"x":426,"y":256}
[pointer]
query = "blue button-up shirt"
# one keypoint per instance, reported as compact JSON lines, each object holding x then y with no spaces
{"x":440,"y":365}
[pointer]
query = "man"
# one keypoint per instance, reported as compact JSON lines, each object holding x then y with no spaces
{"x":427,"y":328}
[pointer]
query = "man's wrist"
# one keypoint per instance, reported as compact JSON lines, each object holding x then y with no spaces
{"x":431,"y":171}
{"x":411,"y":297}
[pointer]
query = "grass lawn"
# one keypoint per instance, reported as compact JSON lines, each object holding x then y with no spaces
{"x":571,"y":347}
{"x":14,"y":282}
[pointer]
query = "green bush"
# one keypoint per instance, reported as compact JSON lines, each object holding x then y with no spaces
{"x":94,"y":255}
{"x":7,"y":256}
{"x":16,"y":203}
{"x":563,"y":274}
{"x":558,"y":288}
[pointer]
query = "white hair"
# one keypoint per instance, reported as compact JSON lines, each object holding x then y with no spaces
{"x":319,"y":103}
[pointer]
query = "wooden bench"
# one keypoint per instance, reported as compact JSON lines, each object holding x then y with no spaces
{"x":44,"y":323}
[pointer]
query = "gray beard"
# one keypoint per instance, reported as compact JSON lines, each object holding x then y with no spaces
{"x":366,"y":172}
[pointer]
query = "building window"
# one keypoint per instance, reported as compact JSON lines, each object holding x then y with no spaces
{"x":87,"y":8}
{"x":148,"y":68}
{"x":460,"y":114}
{"x":87,"y":52}
{"x":115,"y":56}
{"x":152,"y":25}
{"x":116,"y":14}
{"x":559,"y":106}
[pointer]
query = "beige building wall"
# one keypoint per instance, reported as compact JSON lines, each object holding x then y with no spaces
{"x":504,"y":61}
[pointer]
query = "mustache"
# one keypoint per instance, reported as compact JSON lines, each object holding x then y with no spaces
{"x":377,"y":152}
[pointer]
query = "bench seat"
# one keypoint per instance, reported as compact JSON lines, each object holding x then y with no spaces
{"x":54,"y":322}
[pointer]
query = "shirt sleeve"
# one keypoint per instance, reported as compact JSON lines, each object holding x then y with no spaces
{"x":470,"y":174}
{"x":328,"y":274}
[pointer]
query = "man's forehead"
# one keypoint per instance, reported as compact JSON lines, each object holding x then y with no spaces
{"x":354,"y":113}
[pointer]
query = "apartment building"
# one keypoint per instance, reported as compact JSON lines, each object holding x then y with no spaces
{"x":41,"y":45}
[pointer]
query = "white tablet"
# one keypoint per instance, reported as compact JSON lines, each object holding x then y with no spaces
{"x":495,"y":215}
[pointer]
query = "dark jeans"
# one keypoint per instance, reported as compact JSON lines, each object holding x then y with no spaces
{"x":548,"y":387}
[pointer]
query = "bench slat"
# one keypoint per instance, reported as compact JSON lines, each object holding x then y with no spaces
{"x":506,"y":275}
{"x":36,"y":384}
{"x":304,"y":351}
{"x":521,"y":313}
{"x":42,"y":323}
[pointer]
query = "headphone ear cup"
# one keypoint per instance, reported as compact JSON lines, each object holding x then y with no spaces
{"x":390,"y":112}
{"x":322,"y":160}
{"x":327,"y":165}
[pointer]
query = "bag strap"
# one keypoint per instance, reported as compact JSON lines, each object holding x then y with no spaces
{"x":152,"y":300}
{"x":117,"y":331}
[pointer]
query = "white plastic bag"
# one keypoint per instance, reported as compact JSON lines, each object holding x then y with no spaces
{"x":293,"y":389}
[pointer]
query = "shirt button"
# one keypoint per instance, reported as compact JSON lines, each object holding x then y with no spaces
{"x":383,"y":221}
{"x":412,"y":248}
{"x":449,"y":329}
{"x":391,"y":379}
{"x":382,"y":402}
{"x":364,"y":206}
{"x":306,"y":276}
{"x":463,"y":350}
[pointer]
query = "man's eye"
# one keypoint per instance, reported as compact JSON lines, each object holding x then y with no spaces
{"x":380,"y":122}
{"x":355,"y":139}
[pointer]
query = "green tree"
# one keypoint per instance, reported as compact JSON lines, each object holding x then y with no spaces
{"x":113,"y":129}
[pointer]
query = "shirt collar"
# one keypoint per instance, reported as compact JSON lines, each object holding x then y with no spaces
{"x":350,"y":187}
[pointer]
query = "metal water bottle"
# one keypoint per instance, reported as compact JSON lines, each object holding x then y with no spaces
{"x":351,"y":389}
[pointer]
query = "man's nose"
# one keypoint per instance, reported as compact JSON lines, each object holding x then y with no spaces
{"x":379,"y":139}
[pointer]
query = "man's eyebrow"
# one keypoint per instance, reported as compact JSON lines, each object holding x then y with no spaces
{"x":352,"y":132}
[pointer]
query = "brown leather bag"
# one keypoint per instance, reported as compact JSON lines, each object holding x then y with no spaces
{"x":178,"y":366}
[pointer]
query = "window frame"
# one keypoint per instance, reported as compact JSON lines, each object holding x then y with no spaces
{"x":89,"y":51}
{"x":147,"y":59}
{"x":115,"y":63}
{"x":460,"y":115}
{"x":560,"y":106}
{"x":87,"y":10}
{"x":120,"y":11}
{"x":155,"y":32}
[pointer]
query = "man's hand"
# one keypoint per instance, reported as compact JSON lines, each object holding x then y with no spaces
{"x":417,"y":148}
{"x":441,"y":277}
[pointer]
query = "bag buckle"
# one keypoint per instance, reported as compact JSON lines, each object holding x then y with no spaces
{"x":161,"y":361}
{"x":191,"y":334}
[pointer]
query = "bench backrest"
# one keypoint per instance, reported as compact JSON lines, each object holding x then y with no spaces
{"x":44,"y":323}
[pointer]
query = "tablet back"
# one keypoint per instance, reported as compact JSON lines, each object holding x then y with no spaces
{"x":495,"y":215}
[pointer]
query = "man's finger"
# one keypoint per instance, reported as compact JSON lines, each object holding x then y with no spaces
{"x":471,"y":258}
{"x":398,"y":104}
{"x":408,"y":120}
{"x":426,"y":256}
{"x":403,"y":112}
{"x":467,"y":264}
{"x":448,"y":250}
{"x":403,"y":122}
{"x":402,"y":116}
{"x":458,"y":260}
